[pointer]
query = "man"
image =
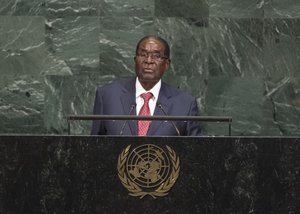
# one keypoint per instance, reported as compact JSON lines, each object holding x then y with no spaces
{"x":146,"y":95}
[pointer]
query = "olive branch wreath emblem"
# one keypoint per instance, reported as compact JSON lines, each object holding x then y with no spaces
{"x":134,"y":189}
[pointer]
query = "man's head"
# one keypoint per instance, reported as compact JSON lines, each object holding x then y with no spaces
{"x":152,"y":60}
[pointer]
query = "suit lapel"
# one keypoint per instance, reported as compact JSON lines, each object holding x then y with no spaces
{"x":128,"y":99}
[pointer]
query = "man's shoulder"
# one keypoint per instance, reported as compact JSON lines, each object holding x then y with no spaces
{"x":117,"y":84}
{"x":176,"y":91}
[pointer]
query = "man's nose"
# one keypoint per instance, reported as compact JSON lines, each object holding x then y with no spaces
{"x":149,"y":58}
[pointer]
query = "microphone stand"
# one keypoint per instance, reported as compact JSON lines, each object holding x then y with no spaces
{"x":131,"y":109}
{"x":165,"y":113}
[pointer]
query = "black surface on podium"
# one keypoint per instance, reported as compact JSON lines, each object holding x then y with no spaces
{"x":78,"y":174}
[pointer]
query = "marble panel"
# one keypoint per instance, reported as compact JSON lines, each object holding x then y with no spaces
{"x":139,"y":8}
{"x":281,"y":48}
{"x":236,"y":8}
{"x":187,"y":40}
{"x":74,"y":40}
{"x":64,"y":8}
{"x":22,"y":45}
{"x":244,"y":100}
{"x":281,"y":66}
{"x":282,"y":9}
{"x":22,"y":51}
{"x":21,"y":105}
{"x":184,"y":9}
{"x":235,"y":47}
{"x":22,"y":7}
{"x":65,"y":95}
{"x":285,"y":98}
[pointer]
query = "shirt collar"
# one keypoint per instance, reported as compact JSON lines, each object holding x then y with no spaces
{"x":140,"y":90}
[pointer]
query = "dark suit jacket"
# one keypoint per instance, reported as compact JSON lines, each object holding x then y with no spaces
{"x":118,"y":97}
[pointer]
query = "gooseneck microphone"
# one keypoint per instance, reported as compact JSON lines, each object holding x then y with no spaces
{"x":165,"y":113}
{"x":132,"y":107}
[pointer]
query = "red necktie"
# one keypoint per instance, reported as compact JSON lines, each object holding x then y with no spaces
{"x":143,"y":125}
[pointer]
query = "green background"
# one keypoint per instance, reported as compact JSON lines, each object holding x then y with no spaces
{"x":240,"y":58}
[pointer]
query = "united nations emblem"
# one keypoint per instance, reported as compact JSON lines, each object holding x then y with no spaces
{"x":148,"y":170}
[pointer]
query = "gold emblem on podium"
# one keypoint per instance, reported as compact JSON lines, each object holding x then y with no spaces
{"x":148,"y":170}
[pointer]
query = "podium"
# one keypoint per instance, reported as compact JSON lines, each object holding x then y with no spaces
{"x":79,"y":174}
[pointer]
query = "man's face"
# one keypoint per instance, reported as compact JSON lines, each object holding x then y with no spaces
{"x":150,"y":62}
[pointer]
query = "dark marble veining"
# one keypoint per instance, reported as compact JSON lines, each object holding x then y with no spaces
{"x":178,"y":8}
{"x":238,"y":58}
{"x":23,"y":7}
{"x":282,"y":9}
{"x":236,"y":8}
{"x":74,"y":174}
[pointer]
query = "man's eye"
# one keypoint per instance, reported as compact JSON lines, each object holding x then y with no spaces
{"x":156,"y":56}
{"x":143,"y":54}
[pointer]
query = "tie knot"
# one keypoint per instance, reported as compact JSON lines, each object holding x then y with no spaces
{"x":147,"y":96}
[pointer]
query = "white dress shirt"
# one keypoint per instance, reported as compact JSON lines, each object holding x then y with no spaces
{"x":140,"y":101}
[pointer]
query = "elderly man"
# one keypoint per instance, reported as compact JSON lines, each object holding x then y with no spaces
{"x":146,"y":94}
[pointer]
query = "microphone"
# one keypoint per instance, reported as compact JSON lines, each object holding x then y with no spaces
{"x":165,"y":113}
{"x":124,"y":124}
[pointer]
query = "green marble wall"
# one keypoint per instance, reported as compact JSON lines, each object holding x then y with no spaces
{"x":239,"y":58}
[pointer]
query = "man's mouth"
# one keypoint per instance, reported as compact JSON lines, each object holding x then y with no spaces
{"x":148,"y":70}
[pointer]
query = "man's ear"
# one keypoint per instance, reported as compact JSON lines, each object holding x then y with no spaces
{"x":168,"y":62}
